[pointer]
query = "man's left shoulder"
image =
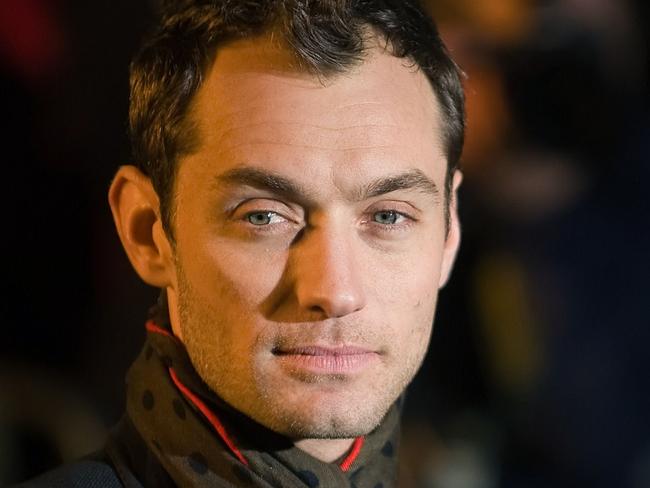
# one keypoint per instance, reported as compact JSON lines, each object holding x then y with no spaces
{"x":87,"y":473}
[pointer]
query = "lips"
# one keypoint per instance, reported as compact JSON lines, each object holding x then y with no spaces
{"x":319,"y":360}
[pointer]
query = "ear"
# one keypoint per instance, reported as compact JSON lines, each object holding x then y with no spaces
{"x":452,"y":242}
{"x":136,"y":212}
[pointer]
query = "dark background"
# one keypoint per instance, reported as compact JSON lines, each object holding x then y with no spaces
{"x":538,"y":373}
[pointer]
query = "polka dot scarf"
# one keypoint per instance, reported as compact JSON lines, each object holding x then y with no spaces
{"x":201,"y":441}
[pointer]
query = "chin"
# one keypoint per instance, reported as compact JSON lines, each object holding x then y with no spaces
{"x":327,"y":419}
{"x":330,"y":427}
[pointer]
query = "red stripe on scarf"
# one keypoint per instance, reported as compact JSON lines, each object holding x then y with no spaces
{"x":354,"y":453}
{"x":151,"y":326}
{"x":209,"y":415}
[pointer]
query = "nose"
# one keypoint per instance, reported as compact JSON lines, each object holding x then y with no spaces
{"x":327,"y":275}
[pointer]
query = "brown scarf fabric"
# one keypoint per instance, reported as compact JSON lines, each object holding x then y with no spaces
{"x":201,"y":441}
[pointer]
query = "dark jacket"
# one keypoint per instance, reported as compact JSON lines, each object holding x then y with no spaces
{"x":125,"y":461}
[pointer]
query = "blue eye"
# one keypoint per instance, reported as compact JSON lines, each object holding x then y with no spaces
{"x":259,"y":218}
{"x":386,"y":217}
{"x":262,"y":218}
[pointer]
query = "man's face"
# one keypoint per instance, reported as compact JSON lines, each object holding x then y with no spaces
{"x":310,"y":238}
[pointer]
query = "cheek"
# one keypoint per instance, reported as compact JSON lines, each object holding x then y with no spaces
{"x":235,"y":276}
{"x":406,"y":294}
{"x":407,"y":282}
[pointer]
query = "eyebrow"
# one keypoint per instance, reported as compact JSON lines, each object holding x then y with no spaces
{"x":413,"y":179}
{"x":264,"y":180}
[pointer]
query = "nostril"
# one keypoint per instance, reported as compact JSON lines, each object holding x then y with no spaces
{"x":336,"y":305}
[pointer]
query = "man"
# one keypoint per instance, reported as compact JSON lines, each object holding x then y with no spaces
{"x":294,"y":197}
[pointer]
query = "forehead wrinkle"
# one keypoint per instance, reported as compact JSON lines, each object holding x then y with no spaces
{"x":223,"y":109}
{"x":230,"y":134}
{"x":251,"y":109}
{"x":233,"y":132}
{"x":276,"y":123}
{"x":301,"y":135}
{"x":249,"y":119}
{"x":304,"y":146}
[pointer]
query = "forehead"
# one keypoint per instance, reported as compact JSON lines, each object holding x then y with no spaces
{"x":255,"y":108}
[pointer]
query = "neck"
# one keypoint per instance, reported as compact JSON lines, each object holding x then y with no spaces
{"x":326,"y":450}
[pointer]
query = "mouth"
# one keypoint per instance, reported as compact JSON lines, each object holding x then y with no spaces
{"x":319,"y":360}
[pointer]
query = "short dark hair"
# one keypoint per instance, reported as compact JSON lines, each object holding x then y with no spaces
{"x":326,"y":36}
